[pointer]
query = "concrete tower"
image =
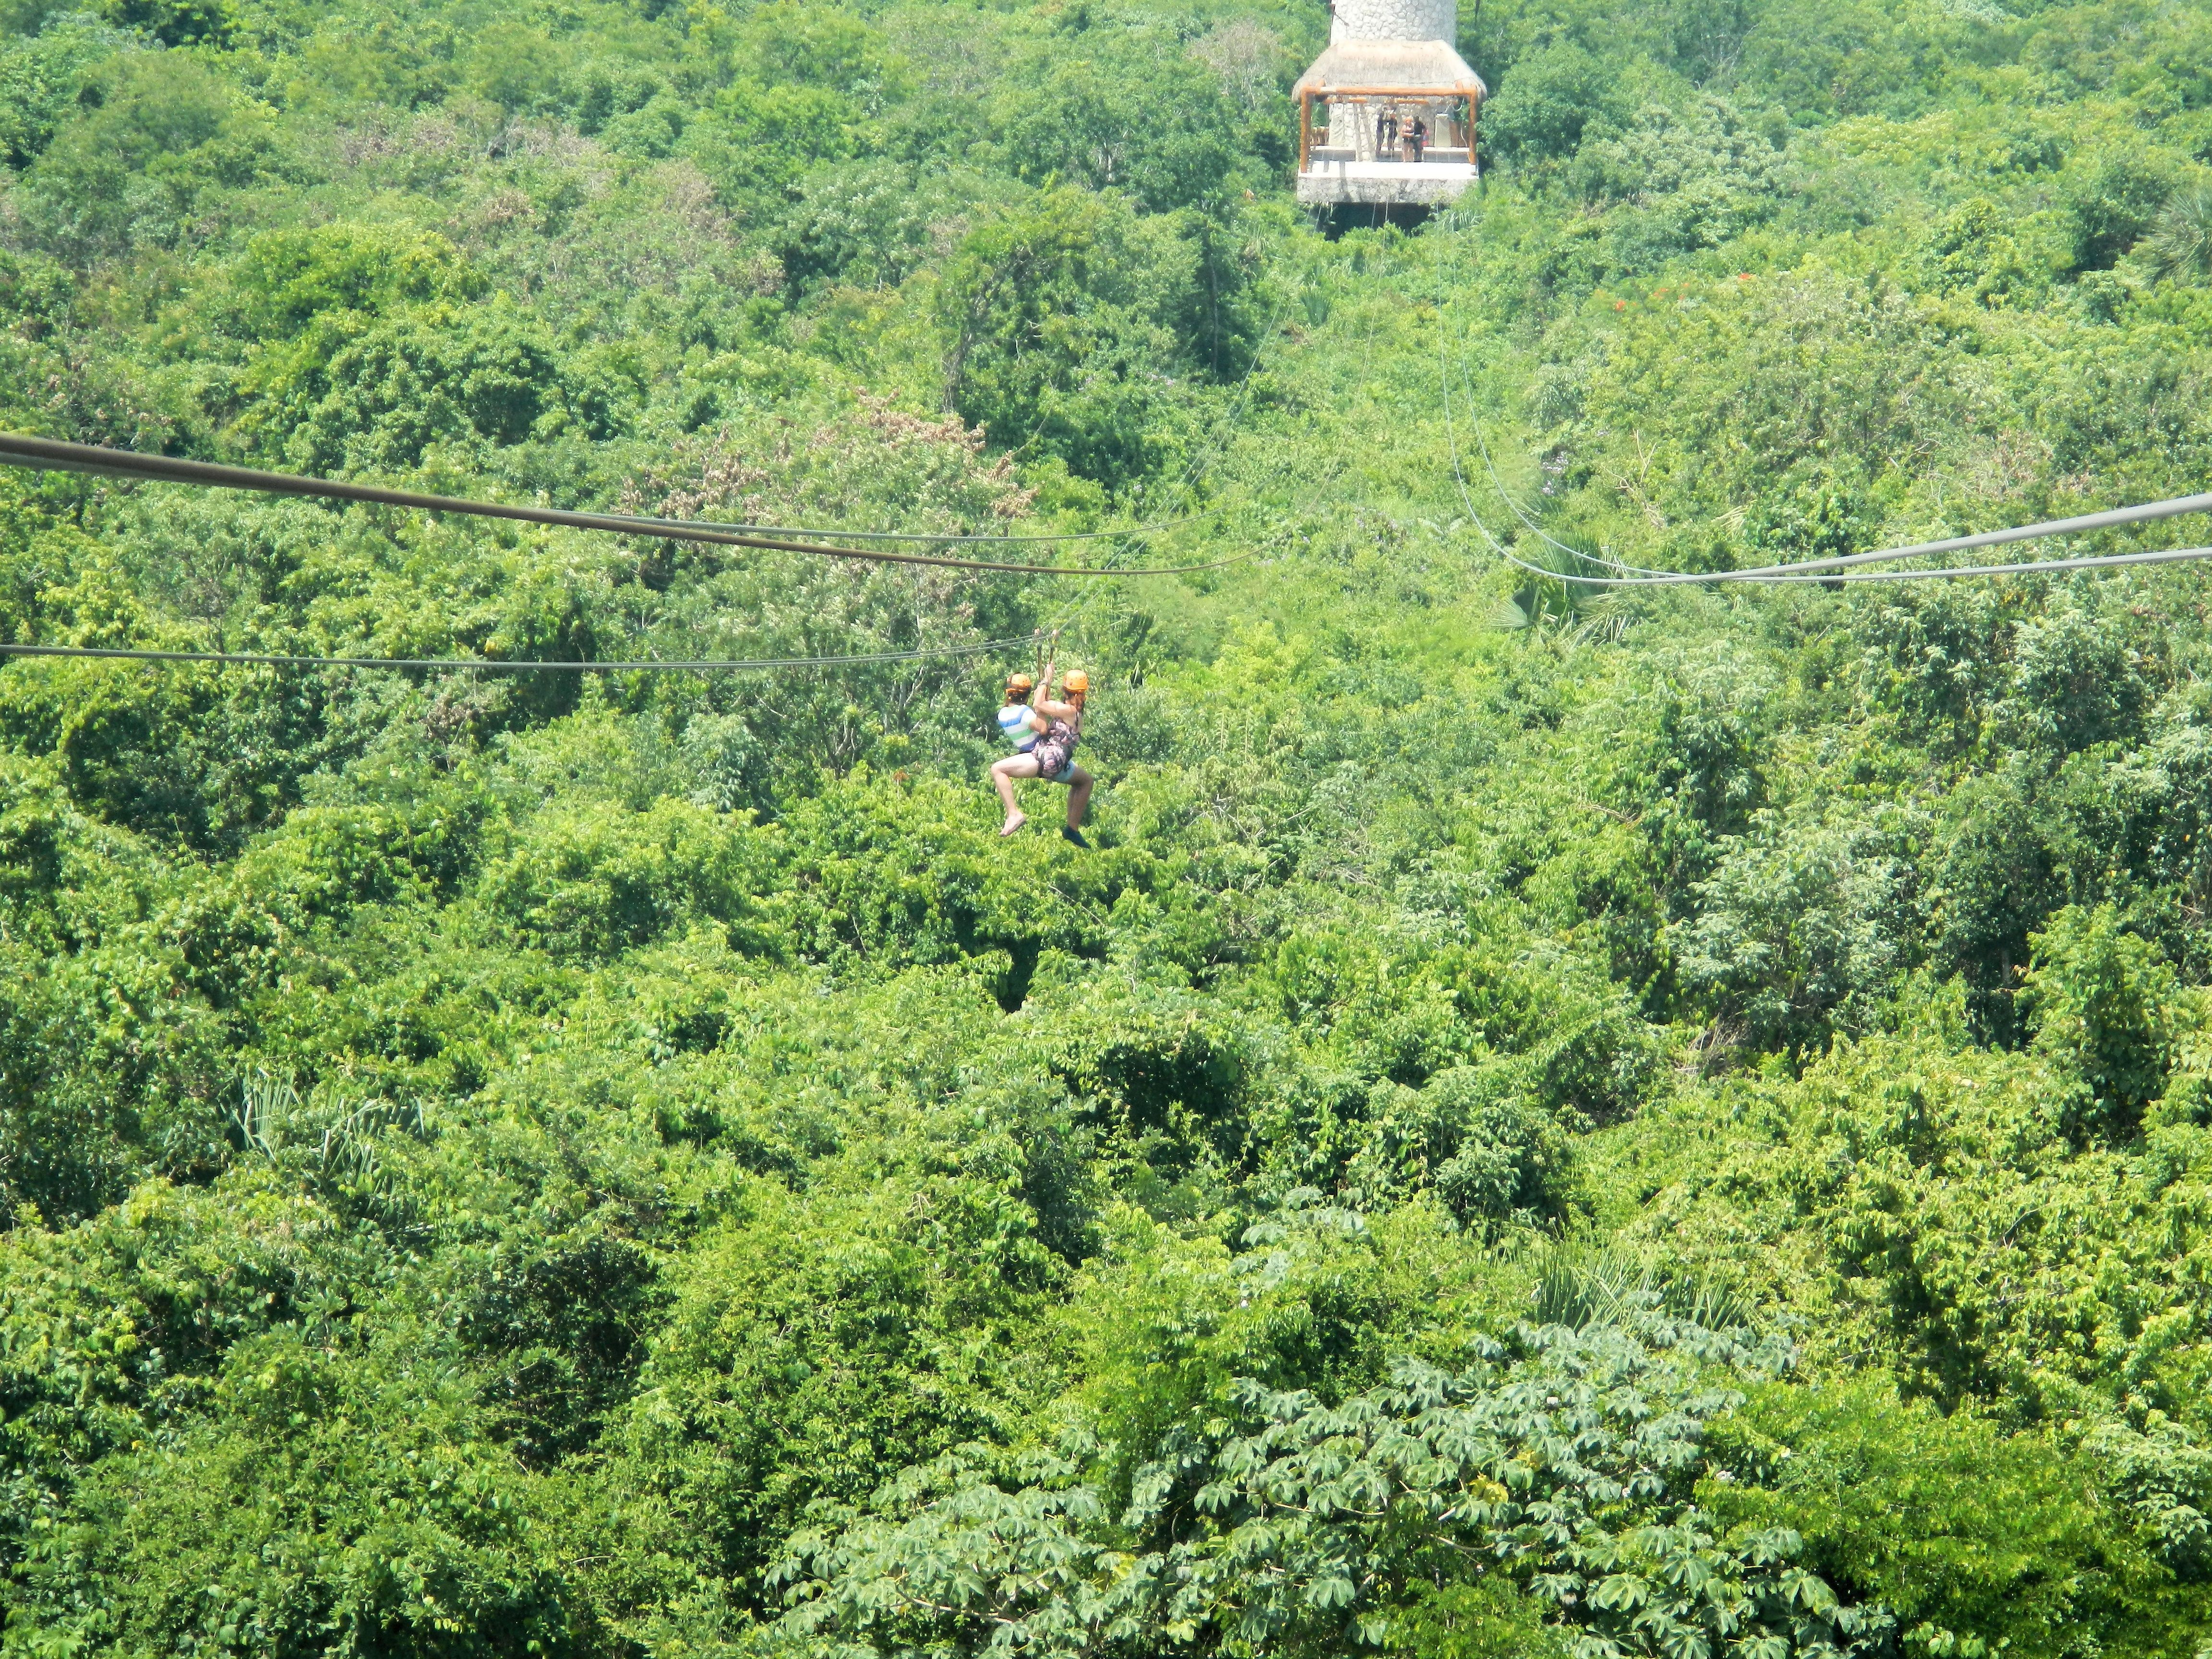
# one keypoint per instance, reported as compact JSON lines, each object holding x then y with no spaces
{"x":1395,"y":19}
{"x":1398,"y":107}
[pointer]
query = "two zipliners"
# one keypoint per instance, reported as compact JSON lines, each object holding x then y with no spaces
{"x":1044,"y":733}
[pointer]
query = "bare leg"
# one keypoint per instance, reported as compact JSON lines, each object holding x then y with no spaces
{"x":1003,"y":774}
{"x":1078,"y":797}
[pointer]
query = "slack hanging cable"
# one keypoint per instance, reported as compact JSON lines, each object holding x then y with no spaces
{"x":18,"y":449}
{"x":1447,"y":363}
{"x":712,"y":665}
{"x":1451,"y":438}
{"x":1507,"y":496}
{"x":1204,"y":460}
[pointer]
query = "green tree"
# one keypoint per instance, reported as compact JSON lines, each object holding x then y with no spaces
{"x":2097,"y":998}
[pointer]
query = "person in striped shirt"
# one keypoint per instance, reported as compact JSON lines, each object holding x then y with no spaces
{"x":1014,"y":723}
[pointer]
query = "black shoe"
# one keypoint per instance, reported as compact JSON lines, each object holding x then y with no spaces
{"x":1074,"y":835}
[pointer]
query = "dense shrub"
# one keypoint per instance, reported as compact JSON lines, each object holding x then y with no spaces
{"x":1552,"y":1116}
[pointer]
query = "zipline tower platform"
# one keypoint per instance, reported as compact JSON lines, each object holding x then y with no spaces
{"x":1389,"y":64}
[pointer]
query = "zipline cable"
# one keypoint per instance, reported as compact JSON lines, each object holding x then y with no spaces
{"x":1828,"y":569}
{"x":1467,"y":499}
{"x":1815,"y":569}
{"x":1836,"y":570}
{"x":19,"y":449}
{"x":1514,"y":506}
{"x":2096,"y":562}
{"x":1136,"y":533}
{"x":509,"y":666}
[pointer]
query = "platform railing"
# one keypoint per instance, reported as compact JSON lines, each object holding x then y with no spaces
{"x":1445,"y":155}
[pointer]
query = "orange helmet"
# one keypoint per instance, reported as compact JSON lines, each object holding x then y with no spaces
{"x":1076,"y":684}
{"x":1018,"y":686}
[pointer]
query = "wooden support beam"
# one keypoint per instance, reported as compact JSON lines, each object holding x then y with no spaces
{"x":1403,"y":94}
{"x":1305,"y":128}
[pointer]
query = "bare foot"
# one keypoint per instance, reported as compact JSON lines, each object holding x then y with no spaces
{"x":1014,"y":822}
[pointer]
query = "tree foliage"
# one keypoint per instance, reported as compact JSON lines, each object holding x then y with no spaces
{"x":1548,"y":1121}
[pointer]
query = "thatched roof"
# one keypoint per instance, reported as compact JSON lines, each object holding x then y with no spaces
{"x":1407,"y":66}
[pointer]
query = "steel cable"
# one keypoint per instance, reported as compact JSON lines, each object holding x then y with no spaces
{"x":1135,"y":533}
{"x":1846,"y":567}
{"x":19,"y":449}
{"x":511,"y":666}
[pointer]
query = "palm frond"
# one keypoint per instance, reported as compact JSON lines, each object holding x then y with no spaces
{"x":2179,"y":246}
